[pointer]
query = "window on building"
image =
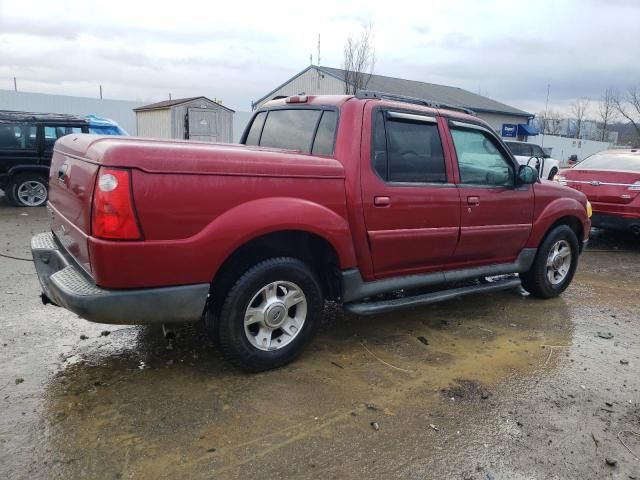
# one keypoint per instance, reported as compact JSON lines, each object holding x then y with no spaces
{"x":480,"y":161}
{"x":17,"y":137}
{"x":408,"y":150}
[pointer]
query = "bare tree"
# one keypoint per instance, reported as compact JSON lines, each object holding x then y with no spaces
{"x":359,"y":61}
{"x":579,"y":111}
{"x":629,"y":107}
{"x":554,"y":122}
{"x":606,"y":111}
{"x":542,"y":119}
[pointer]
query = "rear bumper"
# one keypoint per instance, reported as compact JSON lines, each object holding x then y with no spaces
{"x":67,"y":285}
{"x":615,"y":222}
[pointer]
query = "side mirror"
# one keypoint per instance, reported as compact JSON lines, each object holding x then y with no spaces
{"x":546,"y":155}
{"x":527,"y":175}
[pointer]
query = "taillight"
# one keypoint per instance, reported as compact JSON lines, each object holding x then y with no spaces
{"x":114,"y":216}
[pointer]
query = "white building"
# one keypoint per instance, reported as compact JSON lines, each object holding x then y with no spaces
{"x":121,"y":111}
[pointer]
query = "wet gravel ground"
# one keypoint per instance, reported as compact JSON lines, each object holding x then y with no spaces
{"x":498,"y":386}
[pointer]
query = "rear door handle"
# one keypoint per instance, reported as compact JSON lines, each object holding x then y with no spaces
{"x":382,"y":201}
{"x":473,"y":201}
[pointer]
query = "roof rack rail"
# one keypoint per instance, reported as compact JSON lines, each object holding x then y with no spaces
{"x":417,"y":101}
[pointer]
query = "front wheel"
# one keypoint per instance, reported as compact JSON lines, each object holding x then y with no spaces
{"x":269,"y":314}
{"x":555,"y":264}
{"x":29,"y":190}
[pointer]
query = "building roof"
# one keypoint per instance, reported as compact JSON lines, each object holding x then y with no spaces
{"x":454,"y":96}
{"x":177,"y":101}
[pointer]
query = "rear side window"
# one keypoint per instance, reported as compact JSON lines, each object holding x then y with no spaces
{"x":290,"y":129}
{"x":51,"y":134}
{"x":17,"y":137}
{"x":407,"y":150}
{"x":307,"y":131}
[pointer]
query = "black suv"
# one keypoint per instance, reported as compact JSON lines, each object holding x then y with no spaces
{"x":26,"y":147}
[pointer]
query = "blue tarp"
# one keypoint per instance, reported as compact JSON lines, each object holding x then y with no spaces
{"x":104,"y":126}
{"x":525,"y":130}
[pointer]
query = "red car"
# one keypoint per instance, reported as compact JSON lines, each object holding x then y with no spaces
{"x":330,"y":197}
{"x":611,"y":182}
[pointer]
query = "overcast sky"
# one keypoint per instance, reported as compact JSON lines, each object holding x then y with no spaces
{"x":237,"y":51}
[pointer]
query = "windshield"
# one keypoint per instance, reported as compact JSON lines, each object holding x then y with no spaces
{"x":611,"y":161}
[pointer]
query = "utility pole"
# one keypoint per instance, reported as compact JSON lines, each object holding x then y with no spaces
{"x":318,"y":49}
{"x":15,"y":84}
{"x":169,"y":95}
{"x":100,"y":92}
{"x":546,"y":113}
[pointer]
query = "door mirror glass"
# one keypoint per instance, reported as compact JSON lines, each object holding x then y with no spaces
{"x":527,"y":175}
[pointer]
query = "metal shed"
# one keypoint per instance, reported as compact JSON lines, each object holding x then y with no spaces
{"x":194,"y":118}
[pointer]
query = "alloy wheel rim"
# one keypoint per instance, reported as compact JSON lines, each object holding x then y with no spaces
{"x":275,"y":315}
{"x":558,"y":262}
{"x":32,"y":193}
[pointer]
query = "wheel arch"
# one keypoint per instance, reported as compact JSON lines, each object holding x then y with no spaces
{"x":282,"y":227}
{"x":563,"y":211}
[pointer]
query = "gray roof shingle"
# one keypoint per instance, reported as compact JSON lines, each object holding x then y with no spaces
{"x":453,"y":96}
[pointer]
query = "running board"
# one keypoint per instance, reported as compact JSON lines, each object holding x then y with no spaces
{"x":370,"y":308}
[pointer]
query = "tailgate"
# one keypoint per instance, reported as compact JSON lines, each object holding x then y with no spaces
{"x":604,"y":186}
{"x":71,"y":183}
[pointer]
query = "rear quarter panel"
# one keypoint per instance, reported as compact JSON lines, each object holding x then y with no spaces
{"x":192,"y":223}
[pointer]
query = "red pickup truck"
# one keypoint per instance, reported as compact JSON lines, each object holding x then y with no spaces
{"x":346,"y":198}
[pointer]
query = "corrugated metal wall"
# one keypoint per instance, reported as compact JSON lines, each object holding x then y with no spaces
{"x":311,"y":82}
{"x":119,"y":110}
{"x":154,"y":123}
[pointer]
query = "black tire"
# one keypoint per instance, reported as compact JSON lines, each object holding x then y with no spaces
{"x":18,"y":182}
{"x":228,"y":324}
{"x":536,"y":281}
{"x":8,"y":198}
{"x":553,"y":173}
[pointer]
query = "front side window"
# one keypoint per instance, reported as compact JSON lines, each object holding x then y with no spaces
{"x":480,"y":161}
{"x":537,"y":151}
{"x":407,"y":149}
{"x":17,"y":137}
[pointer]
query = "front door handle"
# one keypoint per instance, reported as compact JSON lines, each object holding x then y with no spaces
{"x":382,"y":201}
{"x":473,"y":201}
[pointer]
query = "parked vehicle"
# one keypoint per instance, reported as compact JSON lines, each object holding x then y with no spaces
{"x":345,"y":198}
{"x":532,"y":154}
{"x":26,"y":146}
{"x":611,"y":181}
{"x":104,"y":126}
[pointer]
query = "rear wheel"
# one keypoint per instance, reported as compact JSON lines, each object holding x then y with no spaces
{"x":555,"y":264}
{"x":269,"y":314}
{"x":28,"y":190}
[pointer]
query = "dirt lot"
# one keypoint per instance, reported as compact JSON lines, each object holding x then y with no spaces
{"x":489,"y":387}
